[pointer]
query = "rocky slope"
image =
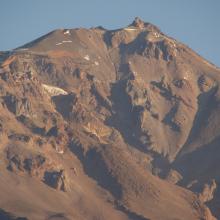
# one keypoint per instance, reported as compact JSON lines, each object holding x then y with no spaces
{"x":108,"y":124}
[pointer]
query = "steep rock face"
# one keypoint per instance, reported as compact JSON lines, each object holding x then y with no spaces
{"x":123,"y":118}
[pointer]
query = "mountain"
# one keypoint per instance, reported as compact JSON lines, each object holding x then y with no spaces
{"x":109,"y":124}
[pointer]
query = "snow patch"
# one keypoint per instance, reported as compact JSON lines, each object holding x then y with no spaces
{"x":87,"y":57}
{"x":64,"y":41}
{"x":173,"y":44}
{"x":187,"y":75}
{"x":67,"y":32}
{"x":67,"y":41}
{"x":54,"y":91}
{"x":21,"y":49}
{"x":60,"y":151}
{"x":156,"y":34}
{"x":58,"y":44}
{"x":130,"y":29}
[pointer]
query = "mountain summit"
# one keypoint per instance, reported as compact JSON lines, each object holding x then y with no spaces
{"x":108,"y":124}
{"x":138,"y":23}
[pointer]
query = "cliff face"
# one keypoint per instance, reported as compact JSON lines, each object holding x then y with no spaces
{"x":99,"y":124}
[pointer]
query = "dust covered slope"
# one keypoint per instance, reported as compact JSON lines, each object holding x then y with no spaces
{"x":101,"y":124}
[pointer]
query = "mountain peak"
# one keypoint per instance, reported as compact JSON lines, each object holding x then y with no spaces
{"x":141,"y":24}
{"x":101,"y":115}
{"x":138,"y":22}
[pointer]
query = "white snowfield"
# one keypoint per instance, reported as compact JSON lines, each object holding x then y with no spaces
{"x":20,"y":49}
{"x":87,"y":57}
{"x":96,"y":63}
{"x":53,"y":90}
{"x":60,"y":152}
{"x":67,"y":41}
{"x":64,"y":41}
{"x":67,"y":32}
{"x":23,"y":49}
{"x":130,"y":29}
{"x":187,"y":75}
{"x":156,"y":34}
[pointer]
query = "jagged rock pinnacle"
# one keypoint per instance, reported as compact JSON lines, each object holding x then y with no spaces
{"x":138,"y":23}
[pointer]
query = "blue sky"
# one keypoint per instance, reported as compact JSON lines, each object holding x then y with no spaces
{"x":193,"y":22}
